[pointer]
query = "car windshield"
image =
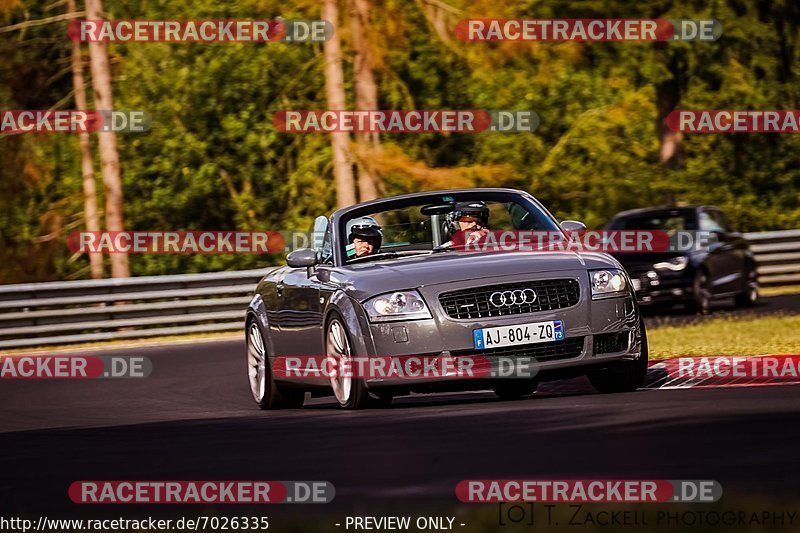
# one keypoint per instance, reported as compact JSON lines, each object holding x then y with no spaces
{"x":427,"y":226}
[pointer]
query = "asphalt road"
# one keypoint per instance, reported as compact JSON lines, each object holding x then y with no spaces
{"x":193,"y":418}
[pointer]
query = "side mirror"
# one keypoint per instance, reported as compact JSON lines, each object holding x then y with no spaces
{"x":573,"y":225}
{"x":302,"y":258}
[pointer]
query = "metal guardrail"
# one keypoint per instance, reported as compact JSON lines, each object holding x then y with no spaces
{"x":65,"y":312}
{"x":777,"y":256}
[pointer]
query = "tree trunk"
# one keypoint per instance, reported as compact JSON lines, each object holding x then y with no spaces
{"x":443,"y":19}
{"x":668,"y":96}
{"x":334,"y":86}
{"x":87,"y":164}
{"x":109,"y":158}
{"x":366,"y":96}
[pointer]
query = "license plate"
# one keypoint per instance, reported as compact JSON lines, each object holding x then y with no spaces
{"x":637,"y":284}
{"x":533,"y":332}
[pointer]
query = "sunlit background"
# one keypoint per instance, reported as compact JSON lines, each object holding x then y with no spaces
{"x":213,"y":159}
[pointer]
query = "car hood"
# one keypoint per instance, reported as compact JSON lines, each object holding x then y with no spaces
{"x":644,"y":260}
{"x":368,"y":279}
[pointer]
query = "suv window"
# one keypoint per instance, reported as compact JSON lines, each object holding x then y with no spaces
{"x":666,"y":221}
{"x":722,"y":220}
{"x":713,"y":221}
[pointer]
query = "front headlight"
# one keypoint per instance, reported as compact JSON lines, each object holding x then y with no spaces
{"x":608,"y":283}
{"x":400,"y":305}
{"x":675,"y":264}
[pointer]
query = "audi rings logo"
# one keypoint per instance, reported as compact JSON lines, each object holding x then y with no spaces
{"x":511,"y":298}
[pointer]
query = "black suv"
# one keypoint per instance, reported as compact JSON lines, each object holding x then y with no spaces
{"x":722,"y":267}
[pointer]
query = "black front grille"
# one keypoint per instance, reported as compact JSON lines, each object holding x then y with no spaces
{"x":610,"y":342}
{"x":542,"y":352}
{"x":475,"y":302}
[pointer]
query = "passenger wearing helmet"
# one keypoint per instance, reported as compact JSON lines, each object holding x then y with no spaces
{"x":365,"y":235}
{"x":471,"y":218}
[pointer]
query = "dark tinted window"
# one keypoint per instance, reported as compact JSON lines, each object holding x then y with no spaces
{"x":667,"y":221}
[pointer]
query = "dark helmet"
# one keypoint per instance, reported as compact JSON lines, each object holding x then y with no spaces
{"x":365,"y":228}
{"x":477,"y":209}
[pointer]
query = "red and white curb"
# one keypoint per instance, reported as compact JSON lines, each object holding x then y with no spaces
{"x":724,"y":371}
{"x":703,"y":372}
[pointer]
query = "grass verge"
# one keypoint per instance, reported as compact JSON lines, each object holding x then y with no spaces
{"x":779,"y":291}
{"x":761,"y":335}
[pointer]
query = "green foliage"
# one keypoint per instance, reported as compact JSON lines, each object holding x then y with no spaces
{"x":213,"y":159}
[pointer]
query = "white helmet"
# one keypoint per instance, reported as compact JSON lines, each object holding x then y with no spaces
{"x":365,"y":228}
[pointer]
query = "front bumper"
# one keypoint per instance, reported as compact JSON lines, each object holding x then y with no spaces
{"x":654,"y":287}
{"x":596,"y":331}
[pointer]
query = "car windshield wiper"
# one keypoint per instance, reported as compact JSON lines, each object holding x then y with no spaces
{"x":443,"y":248}
{"x":385,"y":255}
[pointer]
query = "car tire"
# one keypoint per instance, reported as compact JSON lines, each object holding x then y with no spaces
{"x":701,"y":294}
{"x":291,"y":398}
{"x":749,"y":297}
{"x":266,"y":393}
{"x":350,"y":392}
{"x":380,"y":400}
{"x":515,"y":389}
{"x":625,"y":377}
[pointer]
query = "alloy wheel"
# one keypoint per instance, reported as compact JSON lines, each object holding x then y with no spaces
{"x":339,"y":355}
{"x":256,"y":357}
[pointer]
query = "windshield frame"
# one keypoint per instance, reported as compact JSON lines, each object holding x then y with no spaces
{"x":340,"y":217}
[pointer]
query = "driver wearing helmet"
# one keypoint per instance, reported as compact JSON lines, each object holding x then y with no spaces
{"x":365,"y":235}
{"x":472,"y":218}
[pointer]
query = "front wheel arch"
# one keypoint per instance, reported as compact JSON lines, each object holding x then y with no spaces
{"x":699,"y":304}
{"x":352,"y":315}
{"x":628,"y":376}
{"x":750,"y":292}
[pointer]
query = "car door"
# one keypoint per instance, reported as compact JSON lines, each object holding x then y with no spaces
{"x":301,"y":317}
{"x":735,"y":252}
{"x":304,"y":296}
{"x":725,"y":257}
{"x":273,"y":303}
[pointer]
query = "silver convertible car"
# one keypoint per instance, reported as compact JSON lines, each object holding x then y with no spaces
{"x":389,"y":278}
